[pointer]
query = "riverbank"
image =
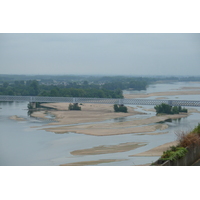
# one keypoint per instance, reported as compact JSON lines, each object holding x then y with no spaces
{"x":171,"y":93}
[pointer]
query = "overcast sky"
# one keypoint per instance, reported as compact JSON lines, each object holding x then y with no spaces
{"x":111,"y":54}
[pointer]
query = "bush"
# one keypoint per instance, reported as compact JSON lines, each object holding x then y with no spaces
{"x":175,"y":110}
{"x":116,"y":108}
{"x":197,"y":129}
{"x":163,"y":108}
{"x":184,"y":110}
{"x":74,"y":107}
{"x":167,"y":109}
{"x":190,"y":139}
{"x":120,"y":108}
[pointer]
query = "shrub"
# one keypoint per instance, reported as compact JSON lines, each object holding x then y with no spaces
{"x":187,"y":140}
{"x":175,"y":110}
{"x":167,"y":109}
{"x":120,"y":108}
{"x":74,"y":107}
{"x":184,"y":110}
{"x":116,"y":108}
{"x":163,"y":108}
{"x":197,"y":129}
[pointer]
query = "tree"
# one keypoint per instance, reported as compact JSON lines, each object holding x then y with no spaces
{"x":167,"y":109}
{"x":74,"y":106}
{"x":120,"y":108}
{"x":175,"y":110}
{"x":34,"y":88}
{"x":5,"y":84}
{"x":163,"y":108}
{"x":116,"y":108}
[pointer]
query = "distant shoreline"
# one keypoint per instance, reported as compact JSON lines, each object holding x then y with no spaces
{"x":171,"y":93}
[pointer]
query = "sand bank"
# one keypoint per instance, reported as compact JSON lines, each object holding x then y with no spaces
{"x":171,"y":93}
{"x":97,"y":113}
{"x":40,"y":114}
{"x":15,"y":117}
{"x":190,"y":88}
{"x":109,"y":149}
{"x":157,"y":151}
{"x":117,"y":128}
{"x":100,"y":131}
{"x":88,"y":113}
{"x":153,"y":133}
{"x":92,"y":162}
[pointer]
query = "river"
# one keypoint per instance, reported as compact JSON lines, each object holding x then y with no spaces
{"x":21,"y":145}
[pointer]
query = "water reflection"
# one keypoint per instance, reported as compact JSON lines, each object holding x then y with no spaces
{"x":170,"y":120}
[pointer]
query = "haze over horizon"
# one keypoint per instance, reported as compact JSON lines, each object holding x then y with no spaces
{"x":132,"y":54}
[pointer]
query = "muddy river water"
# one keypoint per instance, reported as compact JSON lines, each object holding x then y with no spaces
{"x":22,"y":145}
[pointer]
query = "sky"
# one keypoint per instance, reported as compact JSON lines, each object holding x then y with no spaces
{"x":100,"y":53}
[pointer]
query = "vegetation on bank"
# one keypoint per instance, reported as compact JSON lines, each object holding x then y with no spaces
{"x":173,"y":153}
{"x":190,"y":139}
{"x":167,"y":109}
{"x":185,"y":140}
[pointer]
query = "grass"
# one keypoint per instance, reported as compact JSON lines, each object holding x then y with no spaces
{"x":174,"y":153}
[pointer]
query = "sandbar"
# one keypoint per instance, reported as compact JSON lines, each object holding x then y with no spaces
{"x":123,"y":147}
{"x":15,"y":117}
{"x":40,"y":114}
{"x":89,"y":113}
{"x":117,"y":128}
{"x":157,"y":151}
{"x":190,"y":88}
{"x":92,"y":162}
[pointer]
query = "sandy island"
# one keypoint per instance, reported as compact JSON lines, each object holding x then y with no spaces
{"x":109,"y":149}
{"x":106,"y":128}
{"x":100,"y":113}
{"x":89,"y":113}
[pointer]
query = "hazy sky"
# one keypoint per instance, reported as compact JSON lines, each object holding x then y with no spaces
{"x":99,"y":53}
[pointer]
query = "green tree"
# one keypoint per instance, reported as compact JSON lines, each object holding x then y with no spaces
{"x":163,"y":108}
{"x":175,"y":110}
{"x":120,"y":108}
{"x":5,"y":84}
{"x":34,"y":88}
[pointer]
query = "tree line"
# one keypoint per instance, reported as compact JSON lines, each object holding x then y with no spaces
{"x":33,"y":88}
